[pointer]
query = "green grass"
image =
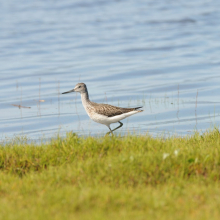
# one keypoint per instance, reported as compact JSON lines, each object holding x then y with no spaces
{"x":132,"y":177}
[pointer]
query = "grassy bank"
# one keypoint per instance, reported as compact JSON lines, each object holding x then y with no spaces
{"x":133,"y":177}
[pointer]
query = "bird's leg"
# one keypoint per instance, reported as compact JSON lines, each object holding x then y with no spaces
{"x":121,"y":124}
{"x":109,"y":131}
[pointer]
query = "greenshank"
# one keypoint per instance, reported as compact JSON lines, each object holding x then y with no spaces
{"x":103,"y":113}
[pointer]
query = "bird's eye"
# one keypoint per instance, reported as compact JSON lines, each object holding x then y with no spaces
{"x":79,"y":86}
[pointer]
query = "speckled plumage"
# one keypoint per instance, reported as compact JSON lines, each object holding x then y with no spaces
{"x":103,"y":113}
{"x":110,"y":110}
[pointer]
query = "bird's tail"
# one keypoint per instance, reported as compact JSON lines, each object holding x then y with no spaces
{"x":139,"y":110}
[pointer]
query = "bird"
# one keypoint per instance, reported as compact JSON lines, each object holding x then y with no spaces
{"x":103,"y":113}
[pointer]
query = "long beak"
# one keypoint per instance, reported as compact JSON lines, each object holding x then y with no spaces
{"x":68,"y":91}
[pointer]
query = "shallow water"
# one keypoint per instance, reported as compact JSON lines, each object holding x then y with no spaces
{"x":163,"y":55}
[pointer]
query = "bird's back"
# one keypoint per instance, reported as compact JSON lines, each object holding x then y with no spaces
{"x":110,"y":110}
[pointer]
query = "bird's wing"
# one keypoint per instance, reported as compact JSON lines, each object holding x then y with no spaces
{"x":110,"y":110}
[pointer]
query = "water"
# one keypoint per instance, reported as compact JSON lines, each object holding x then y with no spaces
{"x":163,"y":55}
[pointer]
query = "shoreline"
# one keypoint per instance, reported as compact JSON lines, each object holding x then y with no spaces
{"x":103,"y":178}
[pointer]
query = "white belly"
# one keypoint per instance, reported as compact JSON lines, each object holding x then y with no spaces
{"x":109,"y":120}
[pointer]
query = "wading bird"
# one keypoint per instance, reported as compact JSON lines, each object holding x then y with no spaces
{"x":103,"y":113}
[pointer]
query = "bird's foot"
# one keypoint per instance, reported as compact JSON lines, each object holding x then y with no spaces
{"x":107,"y":134}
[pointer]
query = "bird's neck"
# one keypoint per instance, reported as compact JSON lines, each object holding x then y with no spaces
{"x":85,"y":98}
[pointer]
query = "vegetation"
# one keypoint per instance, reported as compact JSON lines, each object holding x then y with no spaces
{"x":132,"y":177}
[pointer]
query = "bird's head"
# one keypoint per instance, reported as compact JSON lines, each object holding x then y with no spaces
{"x":80,"y":87}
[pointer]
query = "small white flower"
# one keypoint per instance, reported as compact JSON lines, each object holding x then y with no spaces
{"x":165,"y":155}
{"x":176,"y":152}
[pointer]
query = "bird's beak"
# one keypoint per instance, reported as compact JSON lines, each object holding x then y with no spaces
{"x":68,"y":91}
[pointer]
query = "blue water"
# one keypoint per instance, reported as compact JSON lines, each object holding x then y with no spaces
{"x":163,"y":55}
